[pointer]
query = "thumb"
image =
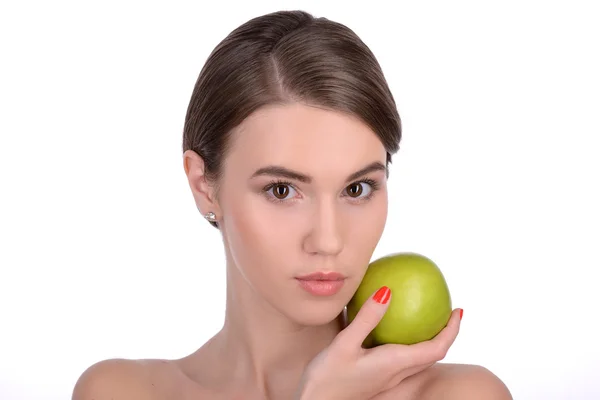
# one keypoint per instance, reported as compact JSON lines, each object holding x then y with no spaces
{"x":366,"y":319}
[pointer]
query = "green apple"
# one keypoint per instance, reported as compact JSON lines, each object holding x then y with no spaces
{"x":420,"y":306}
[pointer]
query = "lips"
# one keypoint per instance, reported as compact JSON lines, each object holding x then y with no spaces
{"x":322,"y":283}
{"x":322,"y":276}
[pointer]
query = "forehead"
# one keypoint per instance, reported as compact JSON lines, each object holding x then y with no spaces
{"x":306,"y":138}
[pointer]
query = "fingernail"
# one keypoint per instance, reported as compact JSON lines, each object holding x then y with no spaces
{"x":461,"y":313}
{"x":382,"y":296}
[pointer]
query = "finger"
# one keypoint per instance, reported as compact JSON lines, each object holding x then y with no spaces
{"x":433,"y":350}
{"x":402,"y":357}
{"x":366,"y":319}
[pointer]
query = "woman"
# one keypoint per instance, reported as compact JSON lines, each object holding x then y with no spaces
{"x":287,"y":141}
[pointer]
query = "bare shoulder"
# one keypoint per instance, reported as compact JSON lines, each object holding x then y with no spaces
{"x":464,"y":382}
{"x":117,"y":379}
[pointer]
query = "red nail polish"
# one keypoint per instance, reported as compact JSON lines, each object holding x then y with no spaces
{"x":461,"y":313}
{"x":382,"y":296}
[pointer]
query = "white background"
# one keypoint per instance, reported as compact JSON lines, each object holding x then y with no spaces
{"x":103,"y":253}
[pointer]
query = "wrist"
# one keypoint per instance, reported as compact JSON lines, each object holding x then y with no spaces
{"x":308,"y":391}
{"x":307,"y":394}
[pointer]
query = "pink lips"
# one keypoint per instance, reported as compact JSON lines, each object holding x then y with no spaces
{"x":322,"y":283}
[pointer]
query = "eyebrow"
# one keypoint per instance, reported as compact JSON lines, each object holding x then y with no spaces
{"x":282,"y":172}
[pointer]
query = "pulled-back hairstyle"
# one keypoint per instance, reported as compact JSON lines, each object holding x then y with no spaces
{"x":285,"y":57}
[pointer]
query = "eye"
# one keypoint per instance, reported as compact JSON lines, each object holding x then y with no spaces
{"x":362,"y":190}
{"x":356,"y":189}
{"x":281,"y":191}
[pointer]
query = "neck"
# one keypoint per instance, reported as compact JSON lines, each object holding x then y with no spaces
{"x":260,"y":345}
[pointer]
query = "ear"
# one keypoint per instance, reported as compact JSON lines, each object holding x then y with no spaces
{"x":203,"y":191}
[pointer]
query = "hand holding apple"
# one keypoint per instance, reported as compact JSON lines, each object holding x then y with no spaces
{"x":346,"y":370}
{"x":421,"y":304}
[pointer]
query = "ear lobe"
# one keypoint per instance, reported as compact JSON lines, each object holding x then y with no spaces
{"x":202,"y":190}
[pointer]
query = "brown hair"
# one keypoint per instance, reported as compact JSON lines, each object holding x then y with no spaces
{"x":279,"y":58}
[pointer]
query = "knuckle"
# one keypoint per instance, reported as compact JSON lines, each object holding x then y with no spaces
{"x":441,"y":351}
{"x":341,"y":344}
{"x":367,"y":319}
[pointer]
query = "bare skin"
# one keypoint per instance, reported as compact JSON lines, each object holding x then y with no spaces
{"x":325,"y":220}
{"x":165,"y":379}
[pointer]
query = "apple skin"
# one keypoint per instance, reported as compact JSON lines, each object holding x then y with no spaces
{"x":420,"y":306}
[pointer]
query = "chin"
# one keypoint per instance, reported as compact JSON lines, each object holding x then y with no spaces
{"x":317,"y":313}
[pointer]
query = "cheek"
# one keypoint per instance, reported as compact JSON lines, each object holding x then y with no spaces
{"x":365,"y":227}
{"x":260,"y":237}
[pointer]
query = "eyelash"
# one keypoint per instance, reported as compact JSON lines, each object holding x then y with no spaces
{"x":372,"y":183}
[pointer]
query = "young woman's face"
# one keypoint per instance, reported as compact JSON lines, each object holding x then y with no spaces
{"x":303,"y":191}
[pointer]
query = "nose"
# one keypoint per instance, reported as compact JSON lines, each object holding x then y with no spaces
{"x":325,"y":234}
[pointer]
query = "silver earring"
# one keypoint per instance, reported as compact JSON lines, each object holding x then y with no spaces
{"x":210,"y":216}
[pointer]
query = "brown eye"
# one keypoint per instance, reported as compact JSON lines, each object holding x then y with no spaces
{"x":281,"y":191}
{"x":355,"y":190}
